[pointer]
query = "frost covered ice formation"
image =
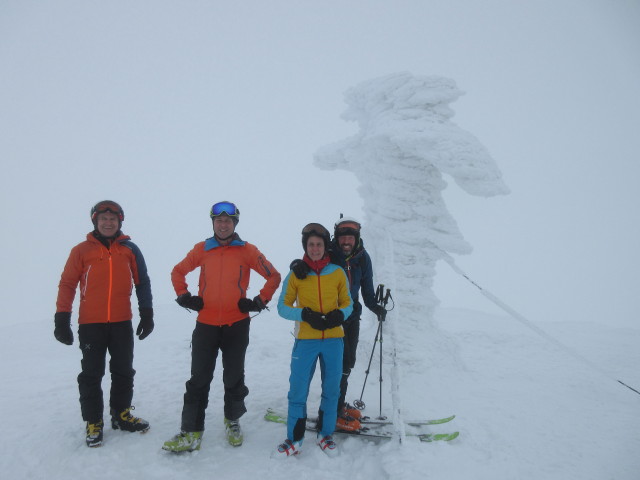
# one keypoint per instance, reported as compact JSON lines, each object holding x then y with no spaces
{"x":405,"y":144}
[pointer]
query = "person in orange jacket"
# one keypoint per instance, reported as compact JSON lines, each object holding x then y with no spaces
{"x":107,"y":265}
{"x":225,"y":262}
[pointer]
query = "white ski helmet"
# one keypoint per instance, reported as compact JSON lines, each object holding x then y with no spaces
{"x":347,"y":226}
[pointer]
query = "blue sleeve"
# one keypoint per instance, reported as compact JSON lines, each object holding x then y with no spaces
{"x":348,"y":310}
{"x":285,"y":301}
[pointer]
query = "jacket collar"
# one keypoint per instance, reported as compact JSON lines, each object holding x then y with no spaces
{"x":211,"y":243}
{"x":318,"y":265}
{"x":107,"y":242}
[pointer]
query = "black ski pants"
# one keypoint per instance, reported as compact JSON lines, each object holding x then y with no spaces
{"x":351,"y":337}
{"x":95,"y":340}
{"x":232,"y":340}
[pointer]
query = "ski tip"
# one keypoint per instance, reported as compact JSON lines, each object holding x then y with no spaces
{"x":437,"y":437}
{"x":445,"y":419}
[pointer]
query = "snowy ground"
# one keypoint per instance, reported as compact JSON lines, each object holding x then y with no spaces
{"x":525,"y":409}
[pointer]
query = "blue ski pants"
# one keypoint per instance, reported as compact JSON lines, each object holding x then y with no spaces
{"x":304,"y":357}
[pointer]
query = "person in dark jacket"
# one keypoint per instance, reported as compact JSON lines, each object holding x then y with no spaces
{"x":107,"y":266}
{"x":347,"y":250}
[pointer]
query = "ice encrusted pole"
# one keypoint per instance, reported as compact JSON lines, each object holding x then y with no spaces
{"x":405,"y":144}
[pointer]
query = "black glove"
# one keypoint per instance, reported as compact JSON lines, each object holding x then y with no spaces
{"x":335,"y":318}
{"x":315,"y":319}
{"x":256,"y":305}
{"x":380,"y":312}
{"x":190,"y":302}
{"x":145,"y":327}
{"x":300,"y":268}
{"x":62,"y":330}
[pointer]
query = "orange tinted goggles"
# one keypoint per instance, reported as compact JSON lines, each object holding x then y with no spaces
{"x":108,"y":207}
{"x":315,"y":228}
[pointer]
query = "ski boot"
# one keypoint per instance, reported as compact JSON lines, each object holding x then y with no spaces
{"x":348,"y":424}
{"x":94,"y":434}
{"x":327,"y":445}
{"x":233,"y":431}
{"x":183,"y":442}
{"x":352,"y":411}
{"x":125,"y":421}
{"x":288,"y":449}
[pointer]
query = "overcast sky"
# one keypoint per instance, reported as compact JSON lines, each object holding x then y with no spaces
{"x":169,"y":106}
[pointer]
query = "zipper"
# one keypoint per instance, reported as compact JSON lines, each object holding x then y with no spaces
{"x":83,"y":292}
{"x":202,"y":281}
{"x":320,"y":299}
{"x":220,"y":267}
{"x":110,"y":287}
{"x":239,"y":284}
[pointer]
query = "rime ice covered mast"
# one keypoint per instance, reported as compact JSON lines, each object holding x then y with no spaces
{"x":405,"y":144}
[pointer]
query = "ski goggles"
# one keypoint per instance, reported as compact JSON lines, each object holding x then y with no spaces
{"x":107,"y":207}
{"x":315,"y":228}
{"x":348,"y":224}
{"x":224,"y":208}
{"x":347,"y":227}
{"x":346,"y":230}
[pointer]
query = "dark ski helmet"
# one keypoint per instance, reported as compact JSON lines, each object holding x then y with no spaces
{"x":225,"y":208}
{"x":317,"y":230}
{"x":107,"y":206}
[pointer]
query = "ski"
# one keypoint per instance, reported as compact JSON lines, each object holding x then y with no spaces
{"x":423,"y":437}
{"x":366,"y":432}
{"x":416,"y":423}
{"x":368,"y":421}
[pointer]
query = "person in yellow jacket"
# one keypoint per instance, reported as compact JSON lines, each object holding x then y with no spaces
{"x":318,"y":304}
{"x":225,"y":263}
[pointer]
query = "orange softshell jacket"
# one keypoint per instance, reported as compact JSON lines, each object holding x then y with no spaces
{"x":107,"y":277}
{"x":224,"y":278}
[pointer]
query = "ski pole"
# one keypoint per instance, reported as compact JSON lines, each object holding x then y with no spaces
{"x":381,"y":299}
{"x":359,"y":404}
{"x":380,"y":379}
{"x":380,"y":320}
